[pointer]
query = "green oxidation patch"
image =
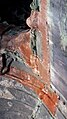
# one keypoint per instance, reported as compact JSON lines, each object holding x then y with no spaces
{"x":35,"y":43}
{"x":39,"y":44}
{"x":35,"y":5}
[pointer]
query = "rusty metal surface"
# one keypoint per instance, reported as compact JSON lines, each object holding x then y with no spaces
{"x":48,"y":97}
{"x":19,"y":101}
{"x":30,"y":65}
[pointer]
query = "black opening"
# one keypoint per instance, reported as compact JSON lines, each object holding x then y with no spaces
{"x":15,"y":12}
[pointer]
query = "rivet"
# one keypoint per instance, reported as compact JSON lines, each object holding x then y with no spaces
{"x":59,"y":97}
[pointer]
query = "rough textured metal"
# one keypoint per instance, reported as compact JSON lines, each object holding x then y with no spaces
{"x":57,"y":29}
{"x":30,"y":53}
{"x":32,"y":58}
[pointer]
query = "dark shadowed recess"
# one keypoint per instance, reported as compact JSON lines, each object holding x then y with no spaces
{"x":15,"y":12}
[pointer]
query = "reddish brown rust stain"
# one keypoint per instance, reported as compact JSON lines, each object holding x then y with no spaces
{"x":21,"y":43}
{"x":48,"y":97}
